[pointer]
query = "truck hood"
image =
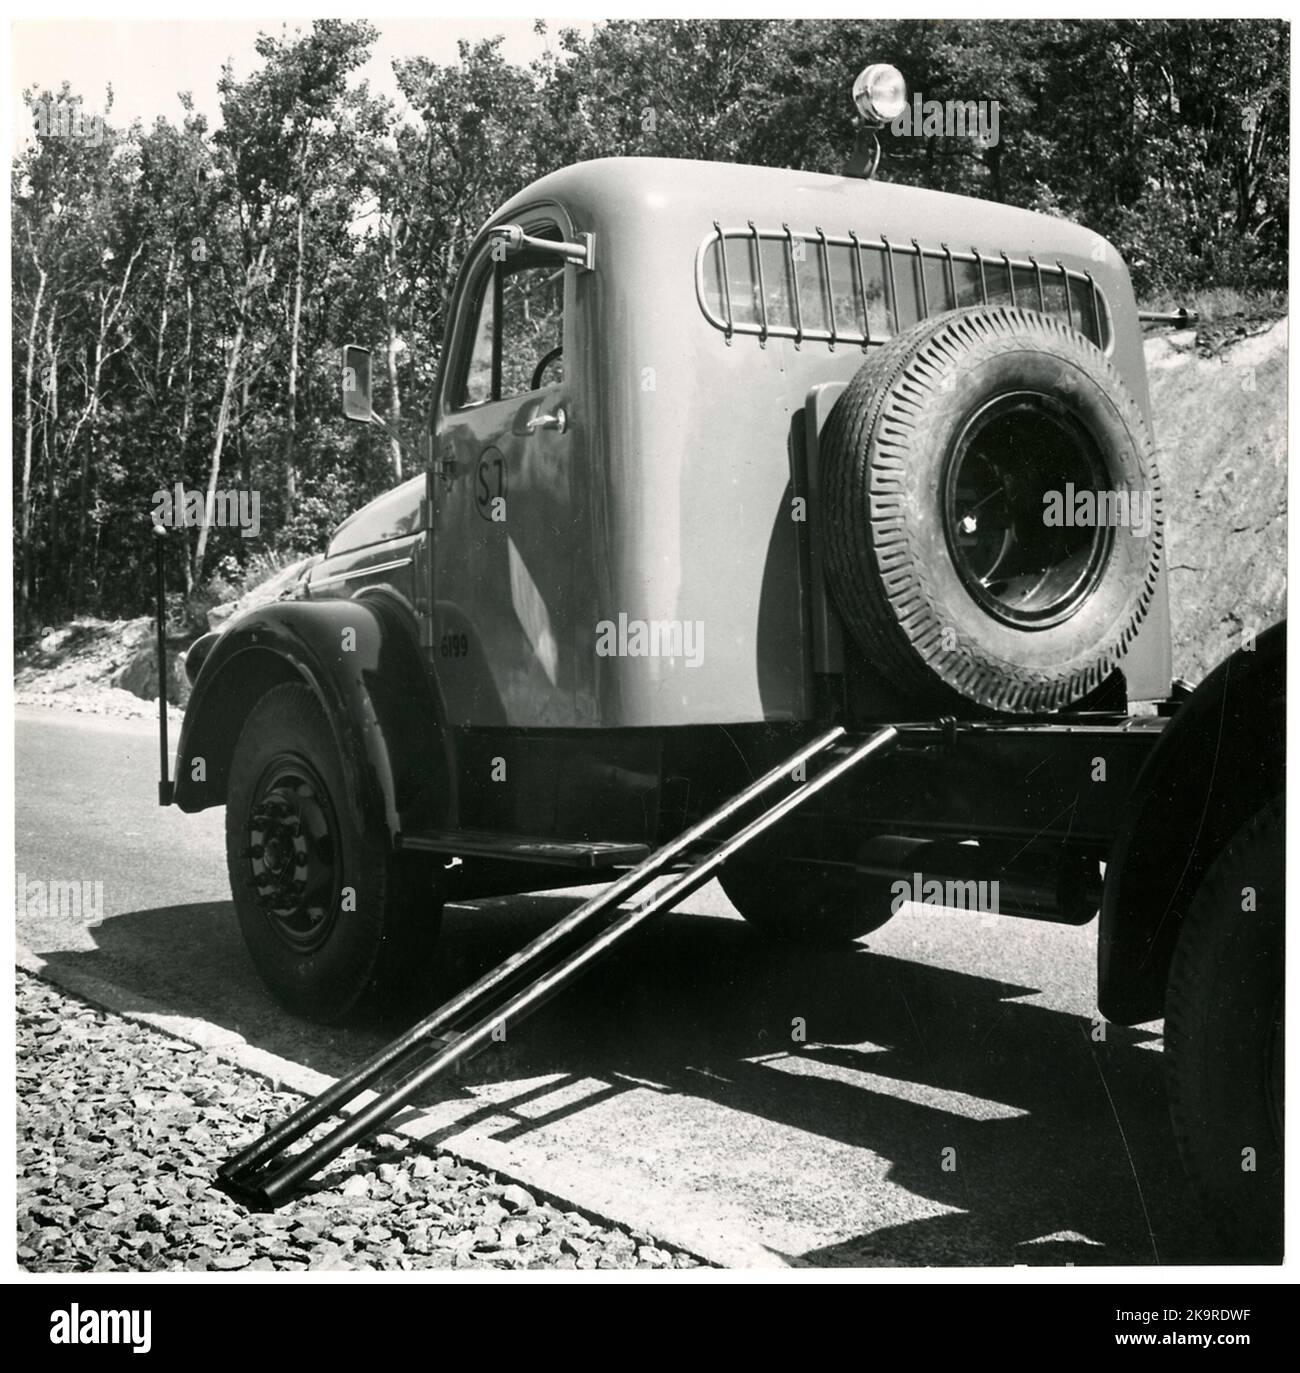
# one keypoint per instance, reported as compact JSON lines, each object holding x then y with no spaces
{"x":391,"y":516}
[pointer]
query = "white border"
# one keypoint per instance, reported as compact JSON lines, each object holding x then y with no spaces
{"x":409,"y":9}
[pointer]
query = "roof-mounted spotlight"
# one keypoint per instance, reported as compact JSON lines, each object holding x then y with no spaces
{"x":880,"y":95}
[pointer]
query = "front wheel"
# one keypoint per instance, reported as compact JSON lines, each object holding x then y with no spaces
{"x":326,"y":913}
{"x":1223,"y":1038}
{"x":816,"y":904}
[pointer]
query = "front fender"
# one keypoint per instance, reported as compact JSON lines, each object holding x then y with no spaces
{"x":362,"y":662}
{"x":1218,"y":761}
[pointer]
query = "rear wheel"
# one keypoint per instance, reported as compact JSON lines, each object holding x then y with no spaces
{"x":1223,"y":1038}
{"x":326,"y":912}
{"x":804,"y":903}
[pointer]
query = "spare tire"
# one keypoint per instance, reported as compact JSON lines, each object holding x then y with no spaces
{"x":994,"y":517}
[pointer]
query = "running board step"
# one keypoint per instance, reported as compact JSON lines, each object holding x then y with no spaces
{"x":527,"y":849}
{"x":264,"y":1173}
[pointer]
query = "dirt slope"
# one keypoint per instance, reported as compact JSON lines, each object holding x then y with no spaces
{"x":98,"y":667}
{"x":1220,"y":425}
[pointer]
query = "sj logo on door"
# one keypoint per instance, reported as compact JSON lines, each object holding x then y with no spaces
{"x":490,"y":485}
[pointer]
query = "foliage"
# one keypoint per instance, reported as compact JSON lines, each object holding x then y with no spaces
{"x":180,"y":293}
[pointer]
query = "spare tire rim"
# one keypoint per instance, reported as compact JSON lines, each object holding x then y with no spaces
{"x":293,"y":853}
{"x":1012,"y":454}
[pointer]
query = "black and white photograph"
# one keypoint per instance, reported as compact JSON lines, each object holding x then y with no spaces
{"x":649,"y":648}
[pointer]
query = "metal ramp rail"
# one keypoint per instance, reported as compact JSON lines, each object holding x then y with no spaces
{"x":264,"y":1173}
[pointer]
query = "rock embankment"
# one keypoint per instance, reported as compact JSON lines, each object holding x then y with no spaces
{"x":1220,"y":423}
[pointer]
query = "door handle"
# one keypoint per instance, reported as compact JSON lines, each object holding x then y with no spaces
{"x":558,"y":421}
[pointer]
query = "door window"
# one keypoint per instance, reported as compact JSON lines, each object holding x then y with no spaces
{"x":515,"y":344}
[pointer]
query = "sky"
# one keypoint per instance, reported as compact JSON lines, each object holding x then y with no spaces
{"x":148,"y":61}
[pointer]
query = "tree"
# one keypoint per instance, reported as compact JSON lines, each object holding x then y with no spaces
{"x":180,"y":293}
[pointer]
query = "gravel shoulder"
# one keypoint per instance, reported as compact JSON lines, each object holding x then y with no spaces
{"x":120,"y":1130}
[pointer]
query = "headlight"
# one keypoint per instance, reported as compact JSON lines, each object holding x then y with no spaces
{"x":880,"y":93}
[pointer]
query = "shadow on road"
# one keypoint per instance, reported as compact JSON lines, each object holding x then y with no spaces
{"x":1061,"y":1148}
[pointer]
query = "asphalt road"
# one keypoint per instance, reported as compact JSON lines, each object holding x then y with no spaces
{"x":950,"y":1104}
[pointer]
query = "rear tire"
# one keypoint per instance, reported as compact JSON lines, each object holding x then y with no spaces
{"x":1223,"y":1038}
{"x":802,"y":903}
{"x":327,"y":913}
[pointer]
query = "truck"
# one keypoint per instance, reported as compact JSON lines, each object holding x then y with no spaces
{"x":798,"y":530}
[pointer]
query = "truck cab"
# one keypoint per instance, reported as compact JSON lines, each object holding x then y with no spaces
{"x":625,"y":439}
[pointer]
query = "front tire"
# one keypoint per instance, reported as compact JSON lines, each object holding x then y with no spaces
{"x":1223,"y":1038}
{"x":327,"y":914}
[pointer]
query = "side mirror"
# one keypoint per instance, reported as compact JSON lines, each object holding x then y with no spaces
{"x":357,"y":401}
{"x":509,"y":239}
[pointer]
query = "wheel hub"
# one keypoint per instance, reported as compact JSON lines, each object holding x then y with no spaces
{"x":293,"y":855}
{"x":1013,"y":453}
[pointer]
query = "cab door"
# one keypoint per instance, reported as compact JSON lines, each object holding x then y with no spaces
{"x":502,"y":481}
